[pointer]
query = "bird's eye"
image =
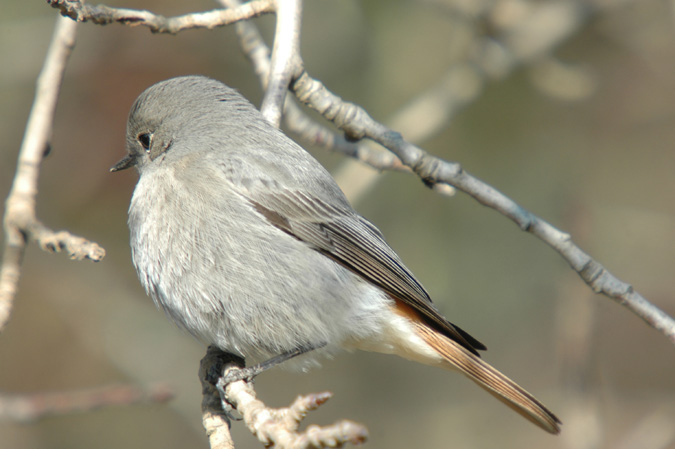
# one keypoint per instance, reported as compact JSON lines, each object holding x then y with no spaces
{"x":145,"y":139}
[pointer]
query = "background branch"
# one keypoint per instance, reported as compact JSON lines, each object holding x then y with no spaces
{"x":297,"y":121}
{"x":356,"y":123}
{"x":20,"y":223}
{"x":31,"y":407}
{"x":258,"y":53}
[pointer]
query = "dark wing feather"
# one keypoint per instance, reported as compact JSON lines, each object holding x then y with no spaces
{"x":352,"y":241}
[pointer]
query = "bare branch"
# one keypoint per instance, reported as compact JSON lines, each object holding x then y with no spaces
{"x":273,"y":427}
{"x":20,"y":222}
{"x":215,"y":421}
{"x":437,"y":173}
{"x":296,"y":120}
{"x":285,"y":57}
{"x":356,"y":123}
{"x":29,"y":408}
{"x":104,"y":15}
{"x":279,"y":427}
{"x":78,"y":248}
{"x":217,"y":428}
{"x":252,"y":44}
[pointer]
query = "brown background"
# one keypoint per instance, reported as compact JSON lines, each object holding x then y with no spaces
{"x":601,"y":167}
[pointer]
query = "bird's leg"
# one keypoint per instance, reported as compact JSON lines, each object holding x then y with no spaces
{"x":249,"y":372}
{"x":226,"y":368}
{"x":211,"y":369}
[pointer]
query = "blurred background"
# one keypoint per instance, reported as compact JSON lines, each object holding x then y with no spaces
{"x":566,"y":107}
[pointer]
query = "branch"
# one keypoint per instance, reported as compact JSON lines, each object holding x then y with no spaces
{"x":357,"y":124}
{"x":20,"y":223}
{"x":29,"y":408}
{"x":279,"y":427}
{"x":296,"y":120}
{"x":273,"y":427}
{"x":285,"y":55}
{"x":214,"y":419}
{"x":436,"y":173}
{"x":104,"y":15}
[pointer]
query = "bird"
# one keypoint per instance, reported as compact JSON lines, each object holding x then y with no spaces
{"x":247,"y":242}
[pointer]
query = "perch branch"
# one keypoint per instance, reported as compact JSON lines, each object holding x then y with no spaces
{"x":20,"y":222}
{"x":104,"y":15}
{"x":279,"y":427}
{"x":215,"y":420}
{"x":276,"y":428}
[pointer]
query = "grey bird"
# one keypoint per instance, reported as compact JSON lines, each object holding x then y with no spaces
{"x":246,"y":241}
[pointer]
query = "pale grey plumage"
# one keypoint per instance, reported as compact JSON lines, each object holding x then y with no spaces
{"x":222,"y":270}
{"x":246,"y":241}
{"x":203,"y":251}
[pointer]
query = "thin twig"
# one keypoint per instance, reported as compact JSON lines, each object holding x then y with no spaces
{"x":20,"y":222}
{"x":357,"y":124}
{"x":296,"y":120}
{"x":252,"y":44}
{"x":279,"y":427}
{"x":285,"y":52}
{"x":31,"y":407}
{"x":104,"y":15}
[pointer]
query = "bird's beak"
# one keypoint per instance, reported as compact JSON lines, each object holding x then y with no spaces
{"x":127,"y":161}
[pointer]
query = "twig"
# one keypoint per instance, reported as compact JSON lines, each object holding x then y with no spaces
{"x":252,"y":44}
{"x":29,"y":408}
{"x":285,"y":55}
{"x":273,"y":427}
{"x":20,"y":223}
{"x":104,"y":15}
{"x":296,"y":120}
{"x":357,"y":124}
{"x":279,"y":427}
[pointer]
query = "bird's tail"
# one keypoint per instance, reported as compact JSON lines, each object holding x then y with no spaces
{"x":494,"y":382}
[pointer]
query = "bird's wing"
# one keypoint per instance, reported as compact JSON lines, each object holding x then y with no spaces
{"x":341,"y":234}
